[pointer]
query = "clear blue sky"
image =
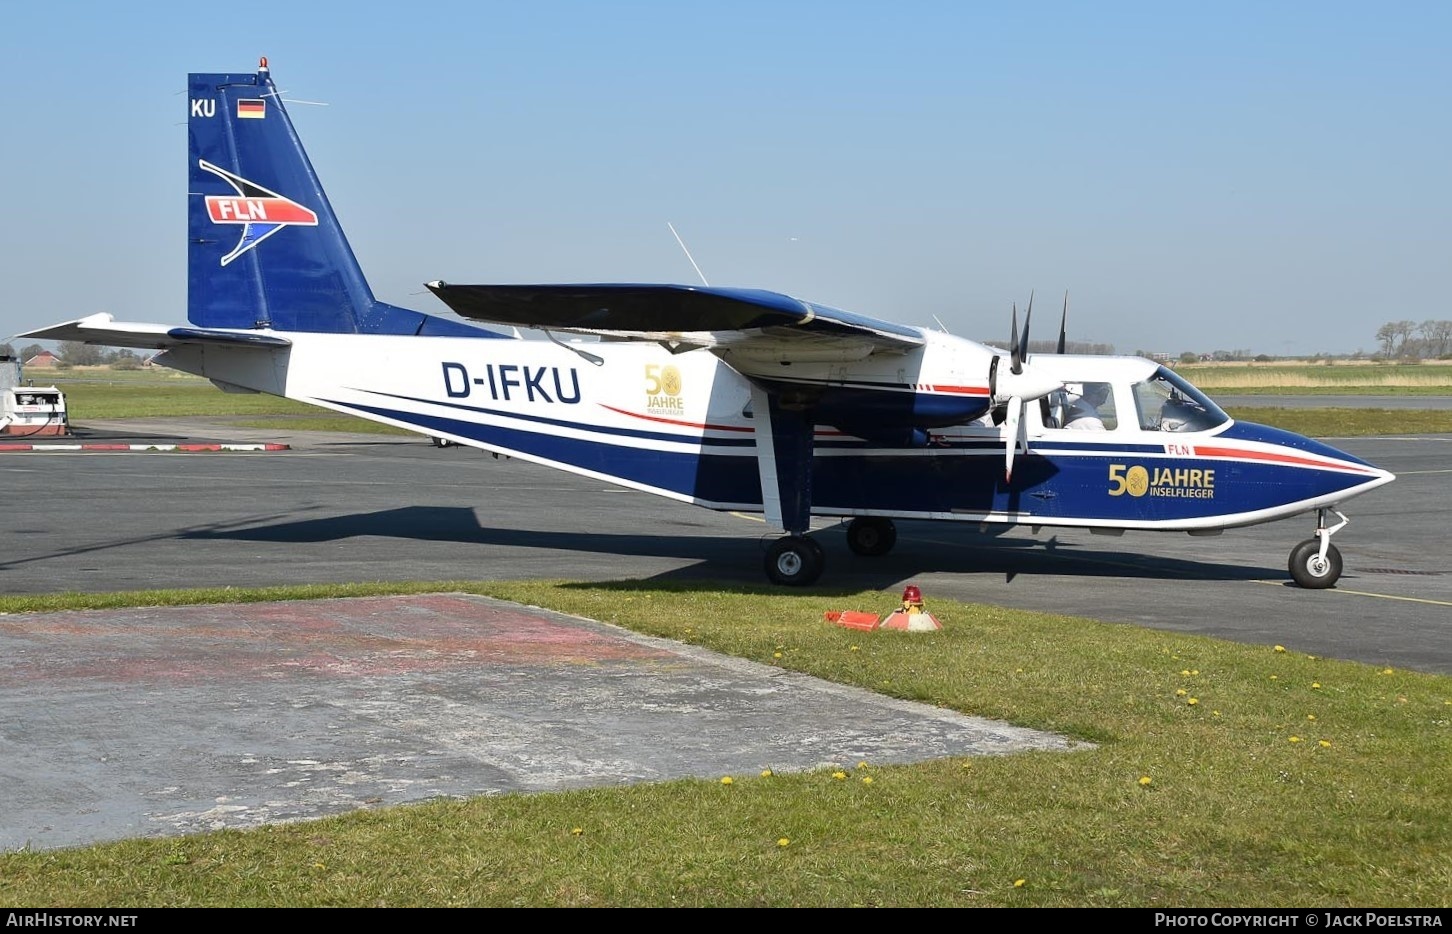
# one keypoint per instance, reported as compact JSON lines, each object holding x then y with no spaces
{"x":1268,"y":176}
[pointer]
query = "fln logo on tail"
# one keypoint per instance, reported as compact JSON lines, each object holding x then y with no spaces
{"x":260,"y":212}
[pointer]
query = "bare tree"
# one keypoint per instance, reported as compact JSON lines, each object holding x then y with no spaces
{"x":1394,"y":335}
{"x":1438,"y":338}
{"x":77,"y":353}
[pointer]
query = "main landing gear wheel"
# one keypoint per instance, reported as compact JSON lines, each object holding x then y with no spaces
{"x":871,"y":536}
{"x":1312,"y":571}
{"x":795,"y":561}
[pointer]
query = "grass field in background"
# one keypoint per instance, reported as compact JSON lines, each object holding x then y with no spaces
{"x":1222,"y":774}
{"x":1344,"y":377}
{"x":101,"y":393}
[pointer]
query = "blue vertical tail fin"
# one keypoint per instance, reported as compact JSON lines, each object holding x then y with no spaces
{"x":264,"y":247}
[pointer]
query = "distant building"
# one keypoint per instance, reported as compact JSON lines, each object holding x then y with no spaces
{"x":43,"y":360}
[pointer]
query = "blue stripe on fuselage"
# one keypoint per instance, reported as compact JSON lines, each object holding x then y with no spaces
{"x":1079,"y":486}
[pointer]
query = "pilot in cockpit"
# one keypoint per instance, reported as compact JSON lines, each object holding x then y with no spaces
{"x":1181,"y":414}
{"x":1082,"y":403}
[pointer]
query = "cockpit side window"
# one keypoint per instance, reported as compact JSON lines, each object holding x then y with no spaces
{"x":1166,"y":402}
{"x":1087,"y":406}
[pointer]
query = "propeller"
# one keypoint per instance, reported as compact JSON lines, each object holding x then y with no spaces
{"x":1063,"y":324}
{"x":1020,"y":385}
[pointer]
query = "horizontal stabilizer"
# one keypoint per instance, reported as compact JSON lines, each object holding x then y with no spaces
{"x":105,"y":330}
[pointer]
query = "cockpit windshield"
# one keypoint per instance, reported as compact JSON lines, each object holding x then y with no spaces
{"x":1168,"y":403}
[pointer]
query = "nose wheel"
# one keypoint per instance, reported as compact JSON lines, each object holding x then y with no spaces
{"x":1316,"y":563}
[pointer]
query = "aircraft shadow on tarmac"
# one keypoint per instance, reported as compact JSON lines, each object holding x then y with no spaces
{"x":950,"y":549}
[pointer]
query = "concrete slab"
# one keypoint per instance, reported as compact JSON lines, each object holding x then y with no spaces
{"x":164,"y":721}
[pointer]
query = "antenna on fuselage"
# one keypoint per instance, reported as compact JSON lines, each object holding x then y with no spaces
{"x":688,"y":254}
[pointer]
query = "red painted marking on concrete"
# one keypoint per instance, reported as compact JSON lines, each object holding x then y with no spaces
{"x":353,"y":638}
{"x":154,"y":448}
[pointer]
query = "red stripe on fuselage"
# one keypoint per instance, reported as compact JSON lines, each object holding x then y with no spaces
{"x":1237,"y":454}
{"x":677,"y":421}
{"x":697,"y":425}
{"x":954,"y":390}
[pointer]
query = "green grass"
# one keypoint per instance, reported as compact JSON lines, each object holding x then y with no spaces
{"x":1355,"y":812}
{"x":1346,"y":423}
{"x":1313,"y":379}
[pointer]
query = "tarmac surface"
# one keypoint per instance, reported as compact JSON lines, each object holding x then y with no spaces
{"x":164,"y":721}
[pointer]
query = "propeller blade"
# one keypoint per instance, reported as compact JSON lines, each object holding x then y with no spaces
{"x":1022,"y":349}
{"x":1063,"y":324}
{"x":1014,"y":420}
{"x":1013,"y":343}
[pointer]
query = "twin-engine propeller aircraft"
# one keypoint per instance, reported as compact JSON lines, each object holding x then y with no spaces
{"x":732,"y":399}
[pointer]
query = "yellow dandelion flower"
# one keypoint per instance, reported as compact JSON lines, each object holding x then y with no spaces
{"x":577,"y":830}
{"x":862,"y":765}
{"x":1295,"y":739}
{"x":1193,"y":701}
{"x":1316,"y":685}
{"x":783,"y":841}
{"x":1194,"y":671}
{"x":776,"y":655}
{"x":1145,"y":780}
{"x":839,"y":775}
{"x":1186,"y":672}
{"x":766,"y":773}
{"x":726,"y":780}
{"x":1019,"y":883}
{"x":1324,"y":743}
{"x":1181,"y":692}
{"x":853,"y":649}
{"x":1387,"y":671}
{"x":1280,"y":648}
{"x":1310,"y":716}
{"x":867,"y":779}
{"x":1214,"y":713}
{"x":1275,"y":677}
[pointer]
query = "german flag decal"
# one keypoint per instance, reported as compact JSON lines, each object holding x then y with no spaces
{"x":251,"y":109}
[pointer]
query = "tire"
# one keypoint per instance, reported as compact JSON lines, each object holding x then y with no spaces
{"x":795,"y":561}
{"x":871,"y":536}
{"x":1307,"y":568}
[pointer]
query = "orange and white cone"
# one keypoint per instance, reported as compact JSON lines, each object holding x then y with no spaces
{"x":911,"y":617}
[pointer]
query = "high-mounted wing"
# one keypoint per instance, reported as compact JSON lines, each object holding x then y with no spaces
{"x":750,"y":323}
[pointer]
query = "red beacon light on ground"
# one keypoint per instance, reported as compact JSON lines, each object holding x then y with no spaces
{"x":911,"y":616}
